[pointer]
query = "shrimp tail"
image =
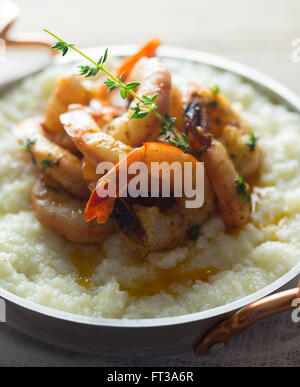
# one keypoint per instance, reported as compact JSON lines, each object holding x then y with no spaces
{"x":101,"y":202}
{"x":128,"y":63}
{"x":111,"y":186}
{"x":98,"y":207}
{"x":148,"y":50}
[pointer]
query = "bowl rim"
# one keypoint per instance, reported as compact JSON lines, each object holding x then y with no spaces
{"x":250,"y":75}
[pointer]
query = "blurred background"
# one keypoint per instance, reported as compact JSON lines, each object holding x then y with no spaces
{"x":255,"y":32}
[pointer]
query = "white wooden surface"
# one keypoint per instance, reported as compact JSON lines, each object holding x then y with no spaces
{"x":256,"y":32}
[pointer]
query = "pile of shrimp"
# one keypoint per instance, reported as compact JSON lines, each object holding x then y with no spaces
{"x":84,"y":125}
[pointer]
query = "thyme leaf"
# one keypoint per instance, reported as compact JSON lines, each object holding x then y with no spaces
{"x":194,"y":232}
{"x":62,"y":46}
{"x":252,"y":142}
{"x":242,"y":189}
{"x":46,"y":164}
{"x":214,"y":103}
{"x":138,"y":112}
{"x":216,"y":89}
{"x":27,"y":148}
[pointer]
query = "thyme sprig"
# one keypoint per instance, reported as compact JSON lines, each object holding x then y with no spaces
{"x":144,"y":105}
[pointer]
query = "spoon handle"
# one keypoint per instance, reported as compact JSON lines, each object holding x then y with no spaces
{"x":9,"y":14}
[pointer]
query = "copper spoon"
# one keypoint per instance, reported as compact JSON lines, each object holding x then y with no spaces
{"x":9,"y":12}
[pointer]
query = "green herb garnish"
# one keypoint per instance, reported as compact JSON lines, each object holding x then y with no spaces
{"x":194,"y":232}
{"x":28,"y":143}
{"x":214,"y":103}
{"x":46,"y":164}
{"x":145,"y":104}
{"x":252,"y":142}
{"x":182,"y":142}
{"x":242,"y":189}
{"x":216,"y":89}
{"x":62,"y":46}
{"x":201,"y":153}
{"x":27,"y":148}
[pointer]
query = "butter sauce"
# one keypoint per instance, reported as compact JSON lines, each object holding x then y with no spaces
{"x":161,"y":280}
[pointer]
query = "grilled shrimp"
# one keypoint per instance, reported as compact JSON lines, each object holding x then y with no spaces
{"x":101,"y":205}
{"x":100,"y":110}
{"x":68,"y":90}
{"x":226,"y":126}
{"x":95,"y":144}
{"x":63,"y":214}
{"x":150,"y":228}
{"x":234,"y":205}
{"x":176,"y":108}
{"x":128,"y":62}
{"x":53,"y":160}
{"x":154,"y":79}
{"x":234,"y":201}
{"x":244,"y":156}
{"x":154,"y":228}
{"x":90,"y":175}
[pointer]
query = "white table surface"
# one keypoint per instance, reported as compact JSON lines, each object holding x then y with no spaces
{"x":257,"y":33}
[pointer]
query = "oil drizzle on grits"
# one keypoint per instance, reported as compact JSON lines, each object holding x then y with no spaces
{"x":161,"y":280}
{"x":85,"y":264}
{"x":256,"y":189}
